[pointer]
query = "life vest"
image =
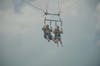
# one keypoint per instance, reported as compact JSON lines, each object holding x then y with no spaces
{"x":57,"y":32}
{"x":46,"y":30}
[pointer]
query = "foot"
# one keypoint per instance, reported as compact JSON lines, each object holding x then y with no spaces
{"x":55,"y":42}
{"x":57,"y":45}
{"x":61,"y":45}
{"x":48,"y":40}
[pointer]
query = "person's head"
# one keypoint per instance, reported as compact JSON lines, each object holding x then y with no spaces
{"x":57,"y":27}
{"x":47,"y":26}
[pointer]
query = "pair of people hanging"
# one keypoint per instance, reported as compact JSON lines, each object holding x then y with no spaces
{"x":48,"y":31}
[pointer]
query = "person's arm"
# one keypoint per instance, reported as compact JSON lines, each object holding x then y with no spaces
{"x":43,"y":28}
{"x":61,"y":31}
{"x":51,"y":29}
{"x":54,"y":31}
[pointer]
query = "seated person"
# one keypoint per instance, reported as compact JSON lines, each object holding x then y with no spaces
{"x":57,"y":38}
{"x":47,"y":32}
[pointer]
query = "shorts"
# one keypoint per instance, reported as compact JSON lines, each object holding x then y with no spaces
{"x":48,"y":36}
{"x":57,"y":37}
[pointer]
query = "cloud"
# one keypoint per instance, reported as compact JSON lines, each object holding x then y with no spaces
{"x":17,"y":5}
{"x":24,"y":45}
{"x":19,"y":30}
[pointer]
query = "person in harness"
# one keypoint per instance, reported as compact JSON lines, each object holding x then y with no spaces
{"x":57,"y":35}
{"x":47,"y":32}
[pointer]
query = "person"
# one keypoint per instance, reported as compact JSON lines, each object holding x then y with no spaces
{"x":57,"y":35}
{"x":47,"y":32}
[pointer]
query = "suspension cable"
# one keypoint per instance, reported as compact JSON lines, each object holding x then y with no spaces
{"x":33,"y":6}
{"x":59,"y":6}
{"x":50,"y":24}
{"x":59,"y":11}
{"x":55,"y":23}
{"x":61,"y":23}
{"x":47,"y":5}
{"x":45,"y":21}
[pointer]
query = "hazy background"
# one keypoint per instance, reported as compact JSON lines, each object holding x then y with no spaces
{"x":21,"y":37}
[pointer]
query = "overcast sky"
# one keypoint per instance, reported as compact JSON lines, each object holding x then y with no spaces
{"x":21,"y":37}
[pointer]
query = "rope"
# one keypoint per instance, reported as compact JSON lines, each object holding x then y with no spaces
{"x":47,"y":5}
{"x":33,"y":6}
{"x":61,"y":23}
{"x":45,"y":21}
{"x":59,"y":6}
{"x":59,"y":11}
{"x":50,"y":25}
{"x":55,"y":23}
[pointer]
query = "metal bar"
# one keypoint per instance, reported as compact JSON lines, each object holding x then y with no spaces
{"x":52,"y":20}
{"x":46,"y":13}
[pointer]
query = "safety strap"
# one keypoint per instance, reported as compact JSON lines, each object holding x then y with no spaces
{"x":50,"y":24}
{"x":45,"y":21}
{"x":55,"y":24}
{"x":59,"y":6}
{"x":61,"y":23}
{"x":47,"y":5}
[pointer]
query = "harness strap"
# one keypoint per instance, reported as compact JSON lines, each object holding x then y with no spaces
{"x":50,"y":24}
{"x":45,"y":21}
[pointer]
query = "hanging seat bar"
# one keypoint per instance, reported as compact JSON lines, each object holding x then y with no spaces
{"x":52,"y":20}
{"x":46,"y":13}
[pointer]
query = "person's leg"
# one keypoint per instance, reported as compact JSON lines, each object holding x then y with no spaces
{"x":50,"y":36}
{"x":57,"y":45}
{"x":54,"y":39}
{"x":45,"y":36}
{"x":60,"y":41}
{"x":57,"y":42}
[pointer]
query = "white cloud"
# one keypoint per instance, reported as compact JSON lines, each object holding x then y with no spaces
{"x":12,"y":24}
{"x":24,"y":44}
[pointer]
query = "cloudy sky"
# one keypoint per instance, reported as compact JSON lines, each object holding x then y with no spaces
{"x":21,"y":37}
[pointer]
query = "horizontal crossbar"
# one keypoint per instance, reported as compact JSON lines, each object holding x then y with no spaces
{"x":52,"y":20}
{"x":46,"y":13}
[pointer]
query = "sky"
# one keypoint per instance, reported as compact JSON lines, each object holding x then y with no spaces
{"x":21,"y":37}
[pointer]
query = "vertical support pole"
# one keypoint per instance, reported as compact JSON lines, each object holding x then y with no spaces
{"x":45,"y":21}
{"x":55,"y":23}
{"x":50,"y":24}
